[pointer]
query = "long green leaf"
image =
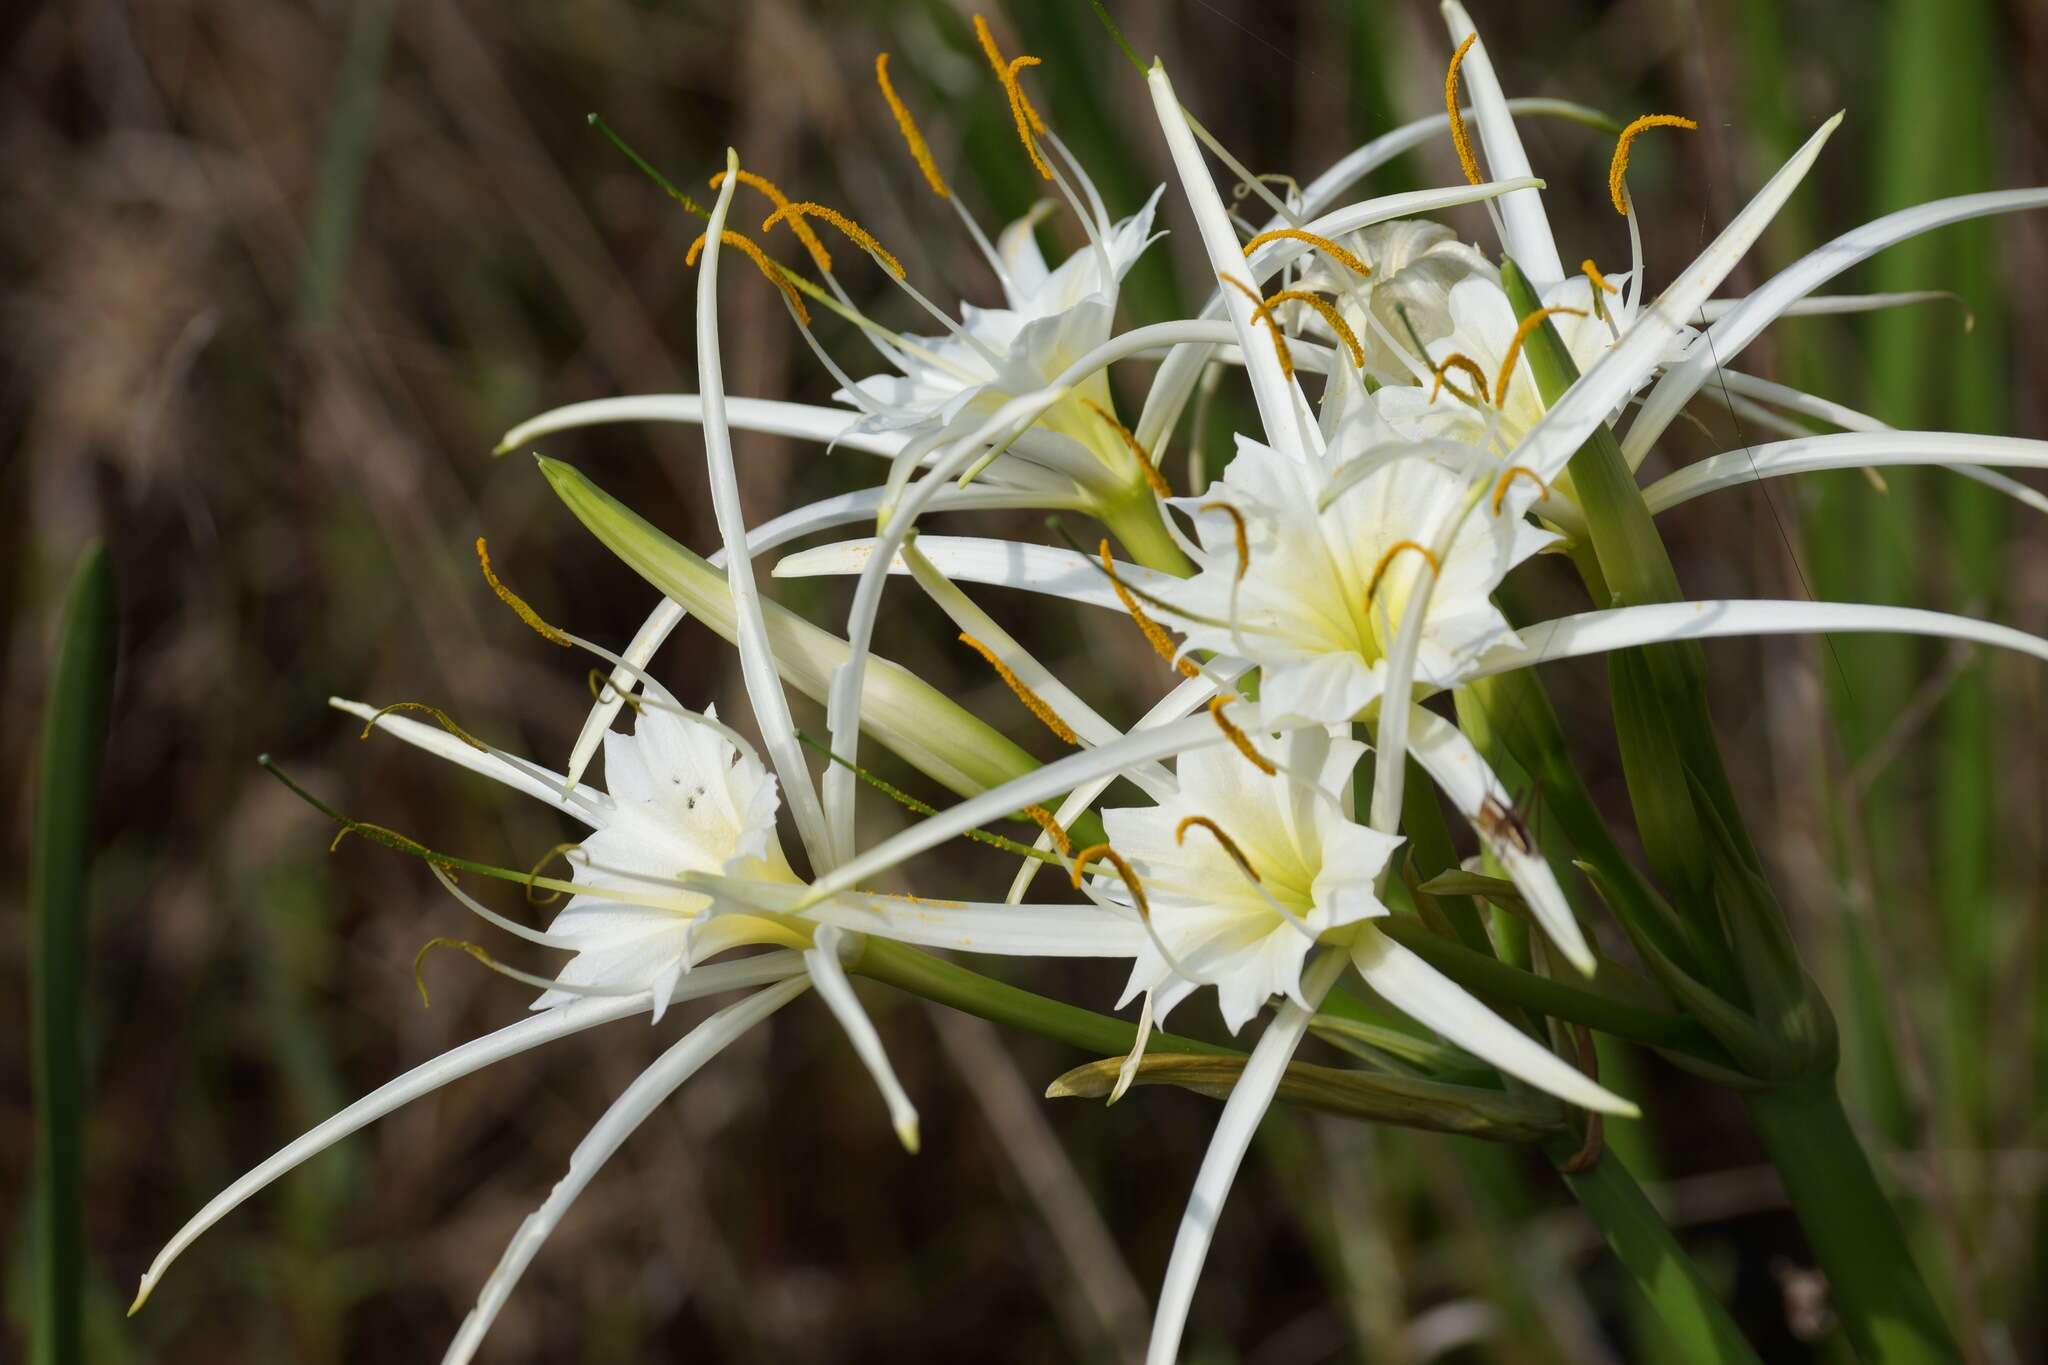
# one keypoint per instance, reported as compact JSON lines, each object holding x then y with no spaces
{"x":74,"y":738}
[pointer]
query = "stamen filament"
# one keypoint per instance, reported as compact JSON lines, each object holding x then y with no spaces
{"x":920,"y":150}
{"x":1038,"y":705}
{"x":1618,"y":168}
{"x":1526,"y":326}
{"x":859,"y":235}
{"x":516,"y":602}
{"x":1461,"y":138}
{"x":1238,"y":737}
{"x":1348,"y":259}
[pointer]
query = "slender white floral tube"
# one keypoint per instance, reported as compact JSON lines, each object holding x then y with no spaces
{"x":999,"y":929}
{"x":1549,"y":446}
{"x":1850,"y":450}
{"x":1525,"y":228}
{"x":1598,"y":632}
{"x":628,"y":1112}
{"x":452,"y":1065}
{"x":1457,"y":768}
{"x":1247,"y":1104}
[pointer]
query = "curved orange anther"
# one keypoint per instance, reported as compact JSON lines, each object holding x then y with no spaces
{"x":1522,"y":330}
{"x":1330,"y":315}
{"x":1348,"y":259}
{"x":1461,"y":140}
{"x":1379,"y":570}
{"x":1458,"y":361}
{"x":854,"y":232}
{"x":773,"y":192}
{"x":1500,"y":489}
{"x":1618,"y":168}
{"x":920,"y":150}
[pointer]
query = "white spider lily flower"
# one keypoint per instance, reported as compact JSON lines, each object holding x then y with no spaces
{"x":1415,"y":263}
{"x":1051,"y":318}
{"x":1242,"y":872}
{"x":1318,"y":589}
{"x":1500,"y":403}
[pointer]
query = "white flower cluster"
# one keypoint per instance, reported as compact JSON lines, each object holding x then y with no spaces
{"x":1343,"y":570}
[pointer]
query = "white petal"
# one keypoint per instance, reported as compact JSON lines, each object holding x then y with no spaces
{"x":828,"y":974}
{"x":757,"y":658}
{"x":1847,"y":450}
{"x":452,"y":1065}
{"x":1549,"y":446}
{"x":627,"y":1113}
{"x":1524,"y":226}
{"x":832,"y":426}
{"x":1455,"y":766}
{"x":1432,"y":999}
{"x":1247,"y":1104}
{"x":1597,"y":632}
{"x":518,"y":774}
{"x":1280,"y":405}
{"x":1722,"y":342}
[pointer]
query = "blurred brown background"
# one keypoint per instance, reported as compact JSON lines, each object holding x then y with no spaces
{"x":277,"y":276}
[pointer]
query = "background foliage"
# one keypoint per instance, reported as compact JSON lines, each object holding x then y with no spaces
{"x":277,"y":275}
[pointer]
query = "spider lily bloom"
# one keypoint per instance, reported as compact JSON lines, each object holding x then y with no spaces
{"x":682,"y":863}
{"x":1053,"y":333}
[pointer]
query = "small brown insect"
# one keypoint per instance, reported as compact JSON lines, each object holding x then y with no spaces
{"x":1508,"y":824}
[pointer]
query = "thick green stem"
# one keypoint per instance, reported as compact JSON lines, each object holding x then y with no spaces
{"x":950,"y":984}
{"x":1883,"y":1303}
{"x":1699,"y":1328}
{"x":1141,"y":526}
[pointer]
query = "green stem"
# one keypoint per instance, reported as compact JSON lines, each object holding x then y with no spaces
{"x":950,"y":984}
{"x":1883,"y":1302}
{"x":1141,"y":527}
{"x":1699,"y":1328}
{"x":74,"y":739}
{"x":1498,"y":981}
